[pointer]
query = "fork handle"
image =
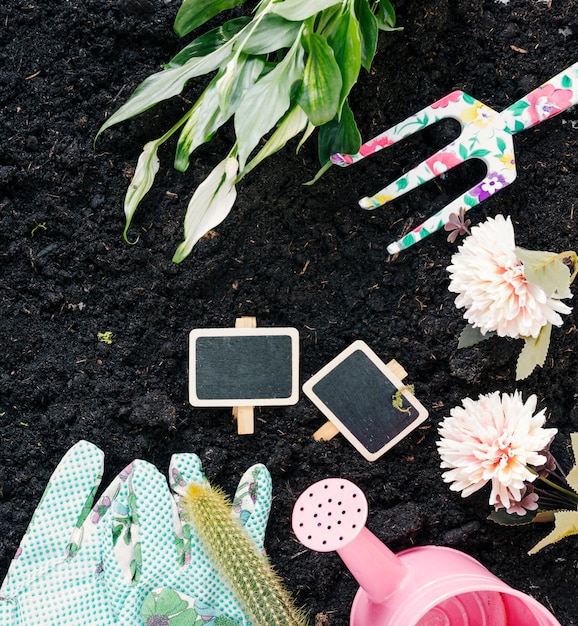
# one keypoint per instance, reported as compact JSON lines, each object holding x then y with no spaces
{"x":553,"y":97}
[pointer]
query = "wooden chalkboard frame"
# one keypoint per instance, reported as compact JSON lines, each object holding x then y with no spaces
{"x":196,"y":399}
{"x":420,"y":413}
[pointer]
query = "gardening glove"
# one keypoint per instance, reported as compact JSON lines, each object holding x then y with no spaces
{"x":151,"y":545}
{"x":52,"y":580}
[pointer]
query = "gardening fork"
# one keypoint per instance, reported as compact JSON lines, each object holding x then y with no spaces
{"x":485,"y":134}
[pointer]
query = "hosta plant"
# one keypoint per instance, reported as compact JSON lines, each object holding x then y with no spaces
{"x":283,"y":71}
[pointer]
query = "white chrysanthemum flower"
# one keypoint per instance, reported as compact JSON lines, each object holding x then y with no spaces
{"x":493,"y":439}
{"x":490,"y":282}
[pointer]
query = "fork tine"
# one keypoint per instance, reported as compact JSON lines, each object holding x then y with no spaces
{"x":449,"y":106}
{"x":490,"y":184}
{"x":440,"y":162}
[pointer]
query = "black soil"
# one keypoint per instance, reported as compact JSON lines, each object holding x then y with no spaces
{"x":289,"y":254}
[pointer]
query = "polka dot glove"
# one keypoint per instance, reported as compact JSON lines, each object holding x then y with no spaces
{"x":131,"y":542}
{"x":151,"y":545}
{"x":50,"y":582}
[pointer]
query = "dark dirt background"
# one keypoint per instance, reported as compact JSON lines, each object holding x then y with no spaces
{"x":290,"y":255}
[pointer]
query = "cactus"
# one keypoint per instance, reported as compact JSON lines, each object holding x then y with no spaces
{"x":256,"y":586}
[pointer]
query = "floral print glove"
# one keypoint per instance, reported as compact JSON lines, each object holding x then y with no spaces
{"x":78,"y":565}
{"x":150,"y":545}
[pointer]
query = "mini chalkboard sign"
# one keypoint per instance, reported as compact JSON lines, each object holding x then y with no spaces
{"x":365,"y":400}
{"x":243,"y":367}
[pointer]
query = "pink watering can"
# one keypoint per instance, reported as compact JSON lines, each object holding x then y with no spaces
{"x":424,"y":586}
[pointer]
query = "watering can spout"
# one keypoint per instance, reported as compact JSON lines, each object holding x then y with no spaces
{"x":376,"y":568}
{"x":330,"y":516}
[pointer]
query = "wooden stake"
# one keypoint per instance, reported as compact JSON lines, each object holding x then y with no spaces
{"x":245,"y":415}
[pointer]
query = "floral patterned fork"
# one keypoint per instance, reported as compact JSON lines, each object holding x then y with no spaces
{"x":486,"y":135}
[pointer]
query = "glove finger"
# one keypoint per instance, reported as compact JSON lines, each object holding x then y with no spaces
{"x":252,"y":502}
{"x":184,"y":468}
{"x":64,"y":504}
{"x":139,"y":550}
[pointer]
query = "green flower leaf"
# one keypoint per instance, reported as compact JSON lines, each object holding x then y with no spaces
{"x":511,"y":519}
{"x":547,"y":270}
{"x":211,"y":203}
{"x":566,"y":524}
{"x":470,"y":336}
{"x":268,"y":75}
{"x":169,"y":602}
{"x":321,"y":85}
{"x":194,"y":13}
{"x":144,"y":176}
{"x":534,"y":352}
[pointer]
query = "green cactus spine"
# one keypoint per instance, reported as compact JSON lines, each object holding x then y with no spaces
{"x":258,"y":589}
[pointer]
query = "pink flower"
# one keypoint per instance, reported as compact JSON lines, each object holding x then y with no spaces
{"x":529,"y":502}
{"x":546,"y":101}
{"x":442,"y":103}
{"x":374,"y":145}
{"x":442,"y":162}
{"x":492,"y":288}
{"x":493,"y":440}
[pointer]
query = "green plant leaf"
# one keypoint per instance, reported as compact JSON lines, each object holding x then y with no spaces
{"x":320,"y":88}
{"x":340,"y":135}
{"x":214,"y":107}
{"x":345,"y":39}
{"x":572,"y":477}
{"x":534,"y":352}
{"x":208,"y":42}
{"x":293,"y":123}
{"x":566,"y":524}
{"x":470,"y":336}
{"x":547,"y":270}
{"x":272,"y":33}
{"x":144,"y":175}
{"x":204,"y":119}
{"x":386,"y":16}
{"x":266,"y":102}
{"x":211,"y":203}
{"x":369,"y":32}
{"x":194,"y":13}
{"x":300,"y":10}
{"x":309,"y":130}
{"x":166,"y":84}
{"x":319,"y":173}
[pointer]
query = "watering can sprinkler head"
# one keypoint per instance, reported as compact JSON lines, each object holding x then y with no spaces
{"x":424,"y":586}
{"x":330,"y":516}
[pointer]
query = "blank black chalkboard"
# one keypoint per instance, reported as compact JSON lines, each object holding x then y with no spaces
{"x":244,"y":367}
{"x":357,"y":392}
